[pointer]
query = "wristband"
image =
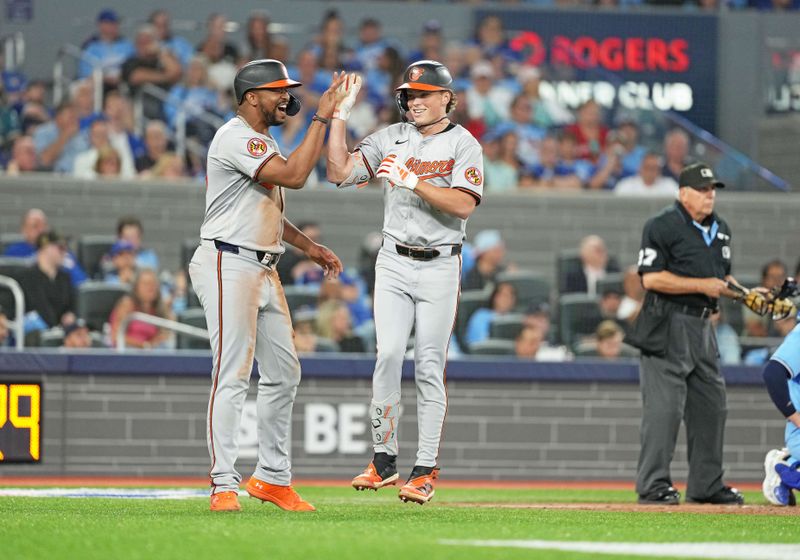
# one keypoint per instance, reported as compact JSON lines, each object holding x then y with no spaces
{"x":323,"y":120}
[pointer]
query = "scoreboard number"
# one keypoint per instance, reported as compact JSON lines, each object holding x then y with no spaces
{"x":20,"y":422}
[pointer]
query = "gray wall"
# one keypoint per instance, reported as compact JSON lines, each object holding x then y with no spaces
{"x":536,"y":227}
{"x":146,"y":425}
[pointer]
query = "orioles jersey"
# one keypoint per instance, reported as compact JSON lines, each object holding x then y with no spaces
{"x":239,"y":209}
{"x":451,"y":159}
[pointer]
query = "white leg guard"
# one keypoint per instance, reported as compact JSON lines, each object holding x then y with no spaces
{"x":384,"y":417}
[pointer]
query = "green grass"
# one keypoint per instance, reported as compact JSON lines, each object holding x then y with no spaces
{"x":353,"y":525}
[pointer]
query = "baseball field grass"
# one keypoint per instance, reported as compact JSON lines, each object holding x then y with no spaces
{"x":460,"y":523}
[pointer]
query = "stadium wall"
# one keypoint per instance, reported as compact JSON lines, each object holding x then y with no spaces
{"x":109,"y":414}
{"x":535,"y":226}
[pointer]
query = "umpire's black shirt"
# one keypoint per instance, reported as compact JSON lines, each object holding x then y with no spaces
{"x":674,"y":242}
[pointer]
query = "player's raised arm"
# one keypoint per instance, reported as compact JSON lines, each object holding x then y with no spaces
{"x":262,"y":89}
{"x":344,"y":168}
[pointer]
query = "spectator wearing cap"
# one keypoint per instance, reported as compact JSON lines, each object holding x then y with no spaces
{"x":490,"y":252}
{"x":502,"y":301}
{"x":594,"y":265}
{"x":122,"y":269}
{"x":130,"y":229}
{"x":107,"y":49}
{"x":48,"y":290}
{"x":76,"y":335}
{"x":431,"y":42}
{"x":487,"y":101}
{"x":59,"y":141}
{"x":648,"y":181}
{"x":177,"y":45}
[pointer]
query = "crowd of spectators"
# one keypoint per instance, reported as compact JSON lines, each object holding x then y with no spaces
{"x":184,"y":93}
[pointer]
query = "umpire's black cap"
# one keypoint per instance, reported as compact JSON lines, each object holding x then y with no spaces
{"x":698,"y":176}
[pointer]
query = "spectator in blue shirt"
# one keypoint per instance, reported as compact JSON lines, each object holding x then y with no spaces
{"x":34,"y":224}
{"x":195,"y":96}
{"x":628,"y":131}
{"x":550,"y":173}
{"x":129,"y":229}
{"x":502,"y":301}
{"x":106,"y":49}
{"x":430,"y":42}
{"x":180,"y":47}
{"x":370,"y":45}
{"x":59,"y":141}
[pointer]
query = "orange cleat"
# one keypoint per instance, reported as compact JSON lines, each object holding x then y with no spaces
{"x":419,"y":488}
{"x":371,"y":479}
{"x":225,"y":501}
{"x":282,"y":496}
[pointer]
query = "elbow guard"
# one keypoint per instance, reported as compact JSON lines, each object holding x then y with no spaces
{"x":359,"y":175}
{"x":775,"y":378}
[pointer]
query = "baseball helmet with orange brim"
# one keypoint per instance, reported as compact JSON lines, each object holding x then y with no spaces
{"x":265,"y":74}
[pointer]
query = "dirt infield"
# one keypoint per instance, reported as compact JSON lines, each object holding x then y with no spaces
{"x":637,"y":508}
{"x":172,"y":482}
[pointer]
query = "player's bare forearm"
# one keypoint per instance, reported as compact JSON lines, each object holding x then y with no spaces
{"x":293,"y":236}
{"x":451,"y":201}
{"x":293,"y":171}
{"x":339,"y":162}
{"x":794,"y":419}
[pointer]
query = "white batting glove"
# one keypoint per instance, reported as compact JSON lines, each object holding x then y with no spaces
{"x":346,"y":93}
{"x":396,"y":173}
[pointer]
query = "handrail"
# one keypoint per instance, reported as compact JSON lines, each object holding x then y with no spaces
{"x":74,"y":52}
{"x":19,"y":309}
{"x":14,"y":50}
{"x":168,"y":324}
{"x":181,"y":117}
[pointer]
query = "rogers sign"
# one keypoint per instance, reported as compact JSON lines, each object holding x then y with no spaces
{"x":644,"y":60}
{"x":615,"y":54}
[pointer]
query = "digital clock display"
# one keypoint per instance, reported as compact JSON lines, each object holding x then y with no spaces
{"x":20,"y":422}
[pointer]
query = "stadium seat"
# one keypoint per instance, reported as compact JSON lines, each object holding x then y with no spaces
{"x":566,"y":260}
{"x":612,"y":280}
{"x":91,"y":250}
{"x":531,"y":288}
{"x":52,"y":338}
{"x":14,"y":266}
{"x":506,"y":327}
{"x":492,"y":347}
{"x":299,"y":296}
{"x":96,"y":301}
{"x":196,"y":318}
{"x":471,"y":300}
{"x":7,"y":239}
{"x":578,"y":315}
{"x":326,"y":345}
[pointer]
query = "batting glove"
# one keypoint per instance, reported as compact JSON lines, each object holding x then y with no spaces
{"x":756,"y":302}
{"x":783,"y":309}
{"x":346,"y":93}
{"x":396,"y":173}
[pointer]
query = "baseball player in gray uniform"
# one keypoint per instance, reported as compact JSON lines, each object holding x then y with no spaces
{"x":233,"y":273}
{"x":433,"y":180}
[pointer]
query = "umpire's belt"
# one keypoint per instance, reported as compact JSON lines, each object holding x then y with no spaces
{"x":422,"y":253}
{"x":267,"y":259}
{"x":692,"y":310}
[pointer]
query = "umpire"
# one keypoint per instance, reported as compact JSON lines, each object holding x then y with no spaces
{"x":684,"y":262}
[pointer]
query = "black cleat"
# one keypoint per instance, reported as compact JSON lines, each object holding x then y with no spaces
{"x":725,"y":496}
{"x":668,"y":496}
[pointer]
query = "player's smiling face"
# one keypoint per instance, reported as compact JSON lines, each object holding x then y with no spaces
{"x":272,"y":105}
{"x":426,"y":107}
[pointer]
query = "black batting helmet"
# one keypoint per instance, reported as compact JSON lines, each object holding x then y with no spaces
{"x":425,"y":75}
{"x":265,"y":74}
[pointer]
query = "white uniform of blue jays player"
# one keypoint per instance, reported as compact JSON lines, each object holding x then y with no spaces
{"x":233,"y":273}
{"x":782,"y":377}
{"x":433,"y":180}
